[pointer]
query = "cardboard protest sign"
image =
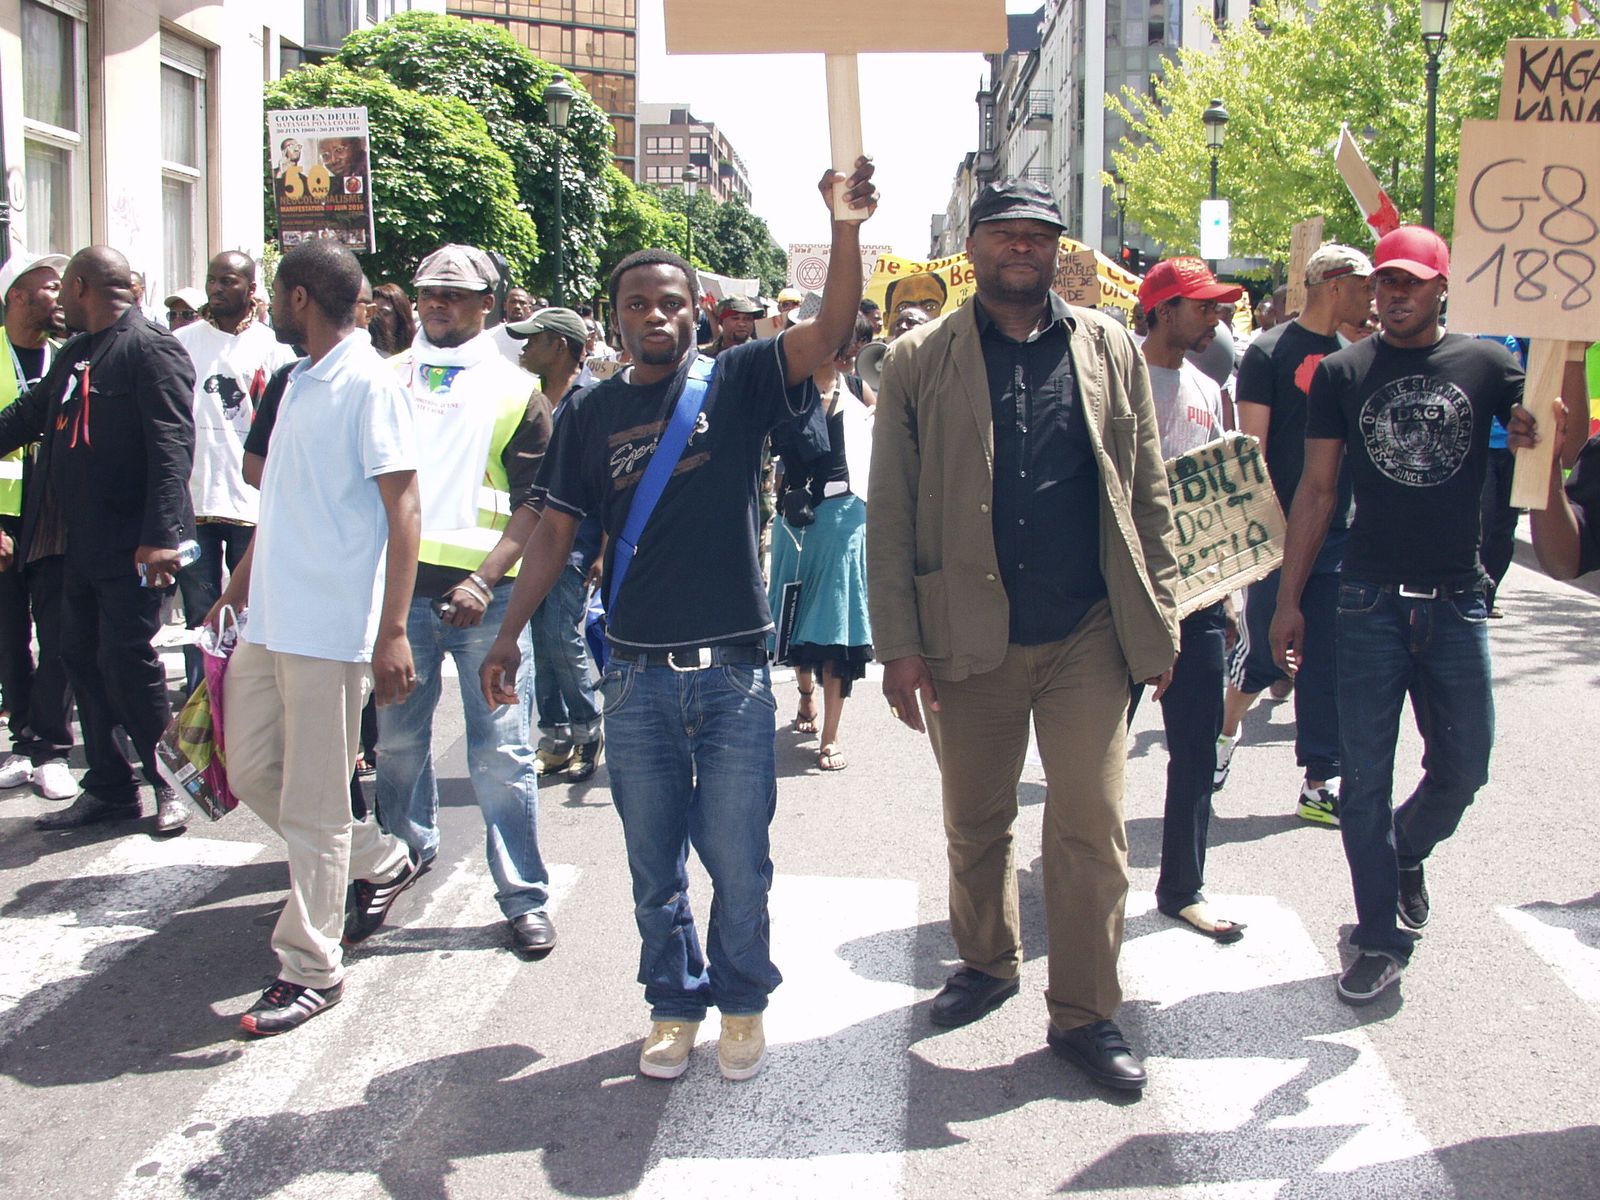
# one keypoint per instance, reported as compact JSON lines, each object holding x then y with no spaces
{"x":1230,"y":528}
{"x":321,"y":180}
{"x":1551,"y":80}
{"x":1303,"y":243}
{"x":1527,"y":245}
{"x":1376,"y":208}
{"x":1078,"y":278}
{"x":808,"y":263}
{"x":838,"y":30}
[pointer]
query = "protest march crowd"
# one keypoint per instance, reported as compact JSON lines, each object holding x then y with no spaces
{"x":345,"y":487}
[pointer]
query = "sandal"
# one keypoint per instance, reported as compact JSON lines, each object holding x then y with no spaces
{"x":1218,"y":930}
{"x":802,"y":722}
{"x":831,"y":758}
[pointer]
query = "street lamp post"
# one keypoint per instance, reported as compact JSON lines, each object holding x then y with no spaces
{"x":1216,"y":123}
{"x":558,"y":98}
{"x":691,"y":179}
{"x":1119,"y":191}
{"x":1435,"y":29}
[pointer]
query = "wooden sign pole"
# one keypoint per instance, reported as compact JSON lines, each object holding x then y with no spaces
{"x":844,"y":126}
{"x":1530,"y":474}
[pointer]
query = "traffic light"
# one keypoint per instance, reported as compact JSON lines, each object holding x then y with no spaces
{"x":1132,"y":259}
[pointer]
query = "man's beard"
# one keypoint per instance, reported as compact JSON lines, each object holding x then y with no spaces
{"x":659,"y":358}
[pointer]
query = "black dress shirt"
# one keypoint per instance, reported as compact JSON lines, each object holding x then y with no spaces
{"x":1046,"y":480}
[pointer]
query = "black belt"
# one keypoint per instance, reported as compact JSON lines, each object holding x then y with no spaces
{"x":694,"y":658}
{"x":1436,"y":591}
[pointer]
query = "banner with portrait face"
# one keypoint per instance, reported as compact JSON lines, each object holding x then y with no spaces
{"x":942,"y":285}
{"x":321,"y":176}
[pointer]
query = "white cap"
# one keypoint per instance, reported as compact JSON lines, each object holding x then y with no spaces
{"x":20,"y":263}
{"x":192,"y":296}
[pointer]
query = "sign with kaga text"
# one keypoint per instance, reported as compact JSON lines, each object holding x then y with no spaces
{"x":1551,"y":80}
{"x":1230,"y":528}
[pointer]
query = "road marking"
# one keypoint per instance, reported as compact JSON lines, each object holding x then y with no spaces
{"x":1250,"y":1040}
{"x":826,"y":1116}
{"x":1567,"y":937}
{"x":105,"y":909}
{"x":297,"y":1112}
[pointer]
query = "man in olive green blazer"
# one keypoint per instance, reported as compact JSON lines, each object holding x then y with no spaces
{"x":1020,"y":568}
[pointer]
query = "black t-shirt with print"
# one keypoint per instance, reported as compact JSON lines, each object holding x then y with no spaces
{"x":1276,"y":373}
{"x":696,"y":577}
{"x":1415,"y":424}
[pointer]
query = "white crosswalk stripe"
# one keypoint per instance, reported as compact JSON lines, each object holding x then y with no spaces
{"x":1567,"y":938}
{"x":110,"y":904}
{"x":334,"y":1140}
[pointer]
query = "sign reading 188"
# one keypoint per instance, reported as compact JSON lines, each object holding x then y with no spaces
{"x":1548,"y":251}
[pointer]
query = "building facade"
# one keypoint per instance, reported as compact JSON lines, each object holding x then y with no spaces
{"x":671,"y":138}
{"x":597,"y":40}
{"x":1042,"y":113}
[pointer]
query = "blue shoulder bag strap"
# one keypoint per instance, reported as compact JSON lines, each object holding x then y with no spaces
{"x":668,"y":451}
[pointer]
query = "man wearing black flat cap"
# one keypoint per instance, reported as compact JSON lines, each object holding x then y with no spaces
{"x":1020,"y":566}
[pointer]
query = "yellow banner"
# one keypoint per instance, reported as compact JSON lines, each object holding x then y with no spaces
{"x":943,"y":285}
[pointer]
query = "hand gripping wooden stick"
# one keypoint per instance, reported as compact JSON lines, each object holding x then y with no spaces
{"x":844,"y":128}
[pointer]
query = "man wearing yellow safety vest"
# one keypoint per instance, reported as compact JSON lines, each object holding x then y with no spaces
{"x":38,"y":698}
{"x":478,"y":453}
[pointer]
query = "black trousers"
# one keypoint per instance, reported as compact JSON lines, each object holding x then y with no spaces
{"x":107,"y":629}
{"x":38,"y":695}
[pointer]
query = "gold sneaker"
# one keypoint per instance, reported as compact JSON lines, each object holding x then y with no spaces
{"x":666,"y":1051}
{"x":742,"y":1050}
{"x":552,"y":762}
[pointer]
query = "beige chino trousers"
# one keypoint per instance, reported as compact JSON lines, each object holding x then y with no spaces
{"x":1076,"y":693}
{"x":291,"y":725}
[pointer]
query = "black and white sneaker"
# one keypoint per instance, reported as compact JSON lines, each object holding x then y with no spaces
{"x":368,"y":903}
{"x":1368,"y":978}
{"x":1413,"y":907}
{"x":285,"y":1006}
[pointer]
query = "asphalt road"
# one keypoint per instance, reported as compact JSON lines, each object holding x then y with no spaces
{"x":455,"y":1069}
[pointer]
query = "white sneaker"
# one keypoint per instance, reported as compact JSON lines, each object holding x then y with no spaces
{"x":15,"y":770}
{"x":1225,"y":747}
{"x":54,"y":781}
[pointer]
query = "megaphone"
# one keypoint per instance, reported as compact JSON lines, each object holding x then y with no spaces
{"x":869,"y":363}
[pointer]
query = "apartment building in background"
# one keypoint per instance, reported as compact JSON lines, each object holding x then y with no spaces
{"x":597,"y":40}
{"x":672,"y":138}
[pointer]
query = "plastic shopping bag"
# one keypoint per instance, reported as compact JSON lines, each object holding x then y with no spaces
{"x":190,"y":755}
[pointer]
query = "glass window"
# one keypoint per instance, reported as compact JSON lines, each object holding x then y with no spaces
{"x":50,"y":50}
{"x":54,"y":101}
{"x":184,"y":228}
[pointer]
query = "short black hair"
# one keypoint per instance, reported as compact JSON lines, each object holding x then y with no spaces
{"x":863,"y":329}
{"x":868,"y":306}
{"x":330,"y":275}
{"x":653,"y":258}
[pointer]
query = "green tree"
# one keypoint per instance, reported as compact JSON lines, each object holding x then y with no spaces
{"x":729,"y":239}
{"x":504,"y":82}
{"x":436,"y":174}
{"x":1288,"y":82}
{"x":636,"y":220}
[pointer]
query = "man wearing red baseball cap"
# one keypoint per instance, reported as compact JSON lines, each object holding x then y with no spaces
{"x":1411,"y":408}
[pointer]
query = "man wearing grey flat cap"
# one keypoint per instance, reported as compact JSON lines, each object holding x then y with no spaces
{"x":1020,"y":567}
{"x":473,"y":421}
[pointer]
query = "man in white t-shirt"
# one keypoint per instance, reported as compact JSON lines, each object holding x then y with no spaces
{"x":1181,"y":299}
{"x":234,"y":355}
{"x":328,"y":580}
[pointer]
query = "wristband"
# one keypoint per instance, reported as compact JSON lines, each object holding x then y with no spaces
{"x":479,"y":580}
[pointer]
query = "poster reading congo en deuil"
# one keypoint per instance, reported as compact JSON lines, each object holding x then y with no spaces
{"x":321,"y":178}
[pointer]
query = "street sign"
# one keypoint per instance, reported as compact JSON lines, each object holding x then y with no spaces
{"x":1213,"y":229}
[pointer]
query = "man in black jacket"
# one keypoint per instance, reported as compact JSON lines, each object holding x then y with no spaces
{"x":116,"y":429}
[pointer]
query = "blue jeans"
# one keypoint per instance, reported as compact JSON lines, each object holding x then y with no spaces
{"x":502,"y":765}
{"x":1438,"y":651}
{"x":563,"y":686}
{"x":200,"y":583}
{"x":691,"y":761}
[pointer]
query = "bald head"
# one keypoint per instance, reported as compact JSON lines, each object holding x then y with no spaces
{"x":235,"y":261}
{"x":96,"y":288}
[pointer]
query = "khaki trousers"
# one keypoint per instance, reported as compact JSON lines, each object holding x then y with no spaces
{"x":291,"y":726}
{"x":1076,"y":692}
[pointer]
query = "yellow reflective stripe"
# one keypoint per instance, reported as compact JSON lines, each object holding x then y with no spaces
{"x":464,"y":548}
{"x":506,"y":423}
{"x":494,"y":508}
{"x":10,"y":487}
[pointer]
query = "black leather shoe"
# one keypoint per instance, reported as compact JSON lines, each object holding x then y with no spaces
{"x":89,"y":809}
{"x":967,"y":995}
{"x":533,"y":934}
{"x":1102,"y":1052}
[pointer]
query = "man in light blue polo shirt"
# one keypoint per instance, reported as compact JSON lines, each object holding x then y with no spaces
{"x":327,"y":620}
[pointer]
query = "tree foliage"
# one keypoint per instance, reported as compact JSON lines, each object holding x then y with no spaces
{"x":729,"y":239}
{"x":504,"y":83}
{"x":1288,"y":82}
{"x":636,"y":220}
{"x":437,"y":176}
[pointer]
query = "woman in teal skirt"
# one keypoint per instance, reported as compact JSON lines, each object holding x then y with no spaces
{"x":819,"y":549}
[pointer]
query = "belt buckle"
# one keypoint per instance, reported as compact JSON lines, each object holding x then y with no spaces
{"x":1419,"y":594}
{"x":702,"y":659}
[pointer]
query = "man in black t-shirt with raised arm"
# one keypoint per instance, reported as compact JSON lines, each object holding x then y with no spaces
{"x":688,"y":705}
{"x":1274,"y":376}
{"x":1411,"y":407}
